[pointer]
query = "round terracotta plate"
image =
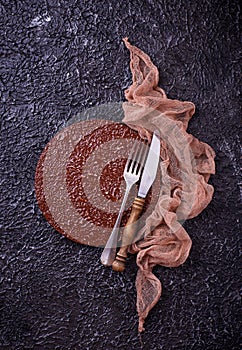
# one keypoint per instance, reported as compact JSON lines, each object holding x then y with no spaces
{"x":79,"y":180}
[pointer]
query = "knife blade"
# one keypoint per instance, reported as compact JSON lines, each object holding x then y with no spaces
{"x":151,"y":165}
{"x":147,"y":179}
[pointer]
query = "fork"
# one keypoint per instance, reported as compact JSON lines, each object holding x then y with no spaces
{"x":132,"y":172}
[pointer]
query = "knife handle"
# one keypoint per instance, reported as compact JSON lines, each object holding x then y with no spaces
{"x":128,"y":235}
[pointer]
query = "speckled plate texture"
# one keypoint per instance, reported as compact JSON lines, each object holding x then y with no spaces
{"x":58,"y":58}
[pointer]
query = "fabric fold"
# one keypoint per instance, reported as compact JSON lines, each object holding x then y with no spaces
{"x":186,"y":165}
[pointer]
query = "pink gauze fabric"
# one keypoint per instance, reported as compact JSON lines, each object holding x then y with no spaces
{"x":185,"y":164}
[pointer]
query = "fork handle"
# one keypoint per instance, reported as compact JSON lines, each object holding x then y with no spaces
{"x":109,"y":251}
{"x":128,"y":234}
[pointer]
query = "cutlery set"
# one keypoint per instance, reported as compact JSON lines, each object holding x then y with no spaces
{"x":143,"y":160}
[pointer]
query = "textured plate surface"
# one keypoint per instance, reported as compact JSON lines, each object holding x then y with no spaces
{"x":79,"y":180}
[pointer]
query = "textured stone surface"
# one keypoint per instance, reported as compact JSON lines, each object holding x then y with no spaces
{"x":57,"y":59}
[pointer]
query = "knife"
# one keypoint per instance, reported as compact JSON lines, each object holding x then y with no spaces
{"x":147,"y":179}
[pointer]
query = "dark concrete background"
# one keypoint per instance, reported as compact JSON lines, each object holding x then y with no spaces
{"x":57,"y":59}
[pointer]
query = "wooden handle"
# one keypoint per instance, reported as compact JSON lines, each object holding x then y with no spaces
{"x":128,"y":235}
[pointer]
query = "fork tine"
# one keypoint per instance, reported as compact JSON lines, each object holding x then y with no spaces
{"x":143,"y":157}
{"x":130,"y":157}
{"x":139,"y":159}
{"x":142,"y":162}
{"x":133,"y":156}
{"x":136,"y":156}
